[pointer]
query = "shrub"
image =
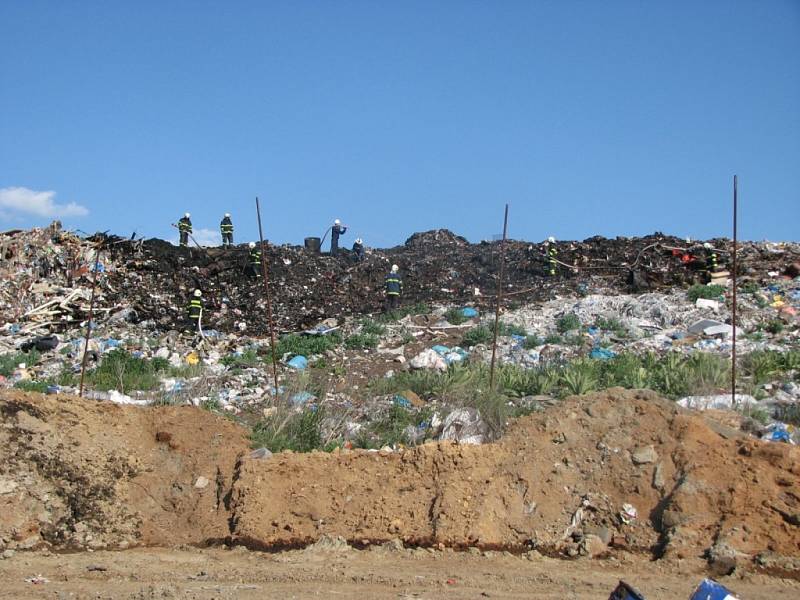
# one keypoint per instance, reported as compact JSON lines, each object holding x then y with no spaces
{"x":580,"y":377}
{"x":510,"y":329}
{"x":359,"y":341}
{"x":709,"y":292}
{"x":568,"y":322}
{"x":371,"y":327}
{"x":532,"y":341}
{"x":552,"y":338}
{"x":32,"y":386}
{"x":248,"y":358}
{"x":612,"y":325}
{"x":774,"y":326}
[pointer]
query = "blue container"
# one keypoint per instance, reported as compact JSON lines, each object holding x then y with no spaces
{"x":711,"y":590}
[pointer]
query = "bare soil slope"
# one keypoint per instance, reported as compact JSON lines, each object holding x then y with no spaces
{"x":77,"y":473}
{"x":694,"y":490}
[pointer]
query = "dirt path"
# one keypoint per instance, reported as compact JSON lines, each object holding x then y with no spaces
{"x":347,"y":573}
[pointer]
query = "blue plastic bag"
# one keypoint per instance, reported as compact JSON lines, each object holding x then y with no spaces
{"x":469,"y":312}
{"x":602,"y":353}
{"x":711,"y":590}
{"x":441,"y":350}
{"x":299,"y":362}
{"x":401,"y":401}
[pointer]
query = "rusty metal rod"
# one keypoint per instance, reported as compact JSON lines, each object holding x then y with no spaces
{"x":733,"y":307}
{"x":91,"y":315}
{"x":499,"y":298}
{"x":265,"y":277}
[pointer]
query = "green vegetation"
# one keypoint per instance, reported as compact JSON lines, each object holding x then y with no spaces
{"x":9,"y":362}
{"x":709,"y":292}
{"x":749,"y":287}
{"x":299,"y":432}
{"x":32,"y":386}
{"x":504,"y":328}
{"x":390,"y":428}
{"x":420,"y":308}
{"x":532,"y":341}
{"x":553,"y":338}
{"x":455,"y":316}
{"x":478,"y":335}
{"x":248,"y":358}
{"x":613,"y":325}
{"x":371,"y":327}
{"x":359,"y":341}
{"x":568,"y":322}
{"x":307,"y":345}
{"x":121,"y":371}
{"x":774,"y":326}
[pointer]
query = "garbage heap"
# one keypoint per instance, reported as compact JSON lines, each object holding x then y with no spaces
{"x":47,"y":275}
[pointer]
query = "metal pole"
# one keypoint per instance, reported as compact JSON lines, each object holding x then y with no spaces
{"x":499,"y":298}
{"x":91,"y":315}
{"x":733,"y":308}
{"x":265,"y":277}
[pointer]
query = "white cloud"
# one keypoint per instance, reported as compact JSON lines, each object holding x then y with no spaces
{"x":204,"y":237}
{"x":16,"y":200}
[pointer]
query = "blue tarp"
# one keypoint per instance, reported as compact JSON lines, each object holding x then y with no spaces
{"x":602,"y":353}
{"x":298,"y":362}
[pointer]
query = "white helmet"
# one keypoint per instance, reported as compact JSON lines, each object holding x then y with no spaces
{"x":337,"y":222}
{"x":707,"y":246}
{"x":252,"y":244}
{"x":227,"y":215}
{"x":358,"y":241}
{"x":187,"y":215}
{"x":198,"y":293}
{"x":395,"y":268}
{"x":551,"y":239}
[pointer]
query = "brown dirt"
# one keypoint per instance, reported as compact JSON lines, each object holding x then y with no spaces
{"x":340,"y":572}
{"x":701,"y":492}
{"x":82,"y":474}
{"x":96,"y":474}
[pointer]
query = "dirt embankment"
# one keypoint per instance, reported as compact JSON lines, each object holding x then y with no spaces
{"x":86,"y":474}
{"x":80,"y":473}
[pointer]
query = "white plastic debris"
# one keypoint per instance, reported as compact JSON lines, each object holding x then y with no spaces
{"x":628,"y":514}
{"x":706,"y":303}
{"x":465,"y":426}
{"x":428,"y":359}
{"x":718,"y":401}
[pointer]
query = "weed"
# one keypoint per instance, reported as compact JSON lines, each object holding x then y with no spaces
{"x":580,"y":377}
{"x":568,"y":322}
{"x":391,"y":316}
{"x":359,"y":341}
{"x":408,"y":337}
{"x":574,"y":339}
{"x":478,"y":335}
{"x":306,"y":345}
{"x":774,"y":326}
{"x":510,"y":329}
{"x":709,"y":292}
{"x":532,"y":341}
{"x":455,"y":316}
{"x":211,"y":405}
{"x":299,"y":432}
{"x":248,"y":358}
{"x":749,"y":287}
{"x":707,"y":372}
{"x":553,"y":338}
{"x":371,"y":327}
{"x":9,"y":362}
{"x":32,"y":386}
{"x":121,"y":371}
{"x":613,"y":325}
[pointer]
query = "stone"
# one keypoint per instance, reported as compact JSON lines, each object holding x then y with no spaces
{"x":201,"y":483}
{"x":644,"y":456}
{"x":593,"y":546}
{"x":604,"y":533}
{"x":261,"y":454}
{"x":7,"y":554}
{"x":7,"y":486}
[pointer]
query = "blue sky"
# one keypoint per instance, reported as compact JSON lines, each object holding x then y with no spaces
{"x":609,"y":118}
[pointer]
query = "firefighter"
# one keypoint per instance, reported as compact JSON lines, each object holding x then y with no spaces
{"x":195,"y":310}
{"x":712,"y":260}
{"x":337,"y":230}
{"x":394,"y":286}
{"x":185,"y":229}
{"x":551,"y":256}
{"x":358,"y":250}
{"x":255,"y":261}
{"x":226,"y":229}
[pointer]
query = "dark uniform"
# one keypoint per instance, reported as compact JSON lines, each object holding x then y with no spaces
{"x":336,"y":231}
{"x":394,"y":286}
{"x":185,"y":228}
{"x":358,"y":251}
{"x":195,"y":310}
{"x":712,"y":261}
{"x":226,"y":229}
{"x":551,"y":260}
{"x":255,"y":262}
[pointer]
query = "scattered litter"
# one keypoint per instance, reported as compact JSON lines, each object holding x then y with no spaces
{"x":719,"y":401}
{"x":711,"y":590}
{"x":299,"y":362}
{"x":628,"y":514}
{"x":465,"y":426}
{"x":428,"y":359}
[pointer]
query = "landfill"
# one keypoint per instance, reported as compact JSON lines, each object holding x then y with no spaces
{"x":107,"y":316}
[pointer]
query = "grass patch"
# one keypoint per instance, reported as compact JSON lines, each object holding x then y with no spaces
{"x":121,"y":371}
{"x":372,"y":327}
{"x":420,"y":308}
{"x":299,"y":432}
{"x":360,"y":341}
{"x":478,"y":335}
{"x":248,"y":358}
{"x":307,"y":345}
{"x":532,"y":341}
{"x":9,"y":362}
{"x":455,"y":316}
{"x":504,"y":328}
{"x":613,"y":325}
{"x":709,"y":292}
{"x":32,"y":386}
{"x":569,"y":322}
